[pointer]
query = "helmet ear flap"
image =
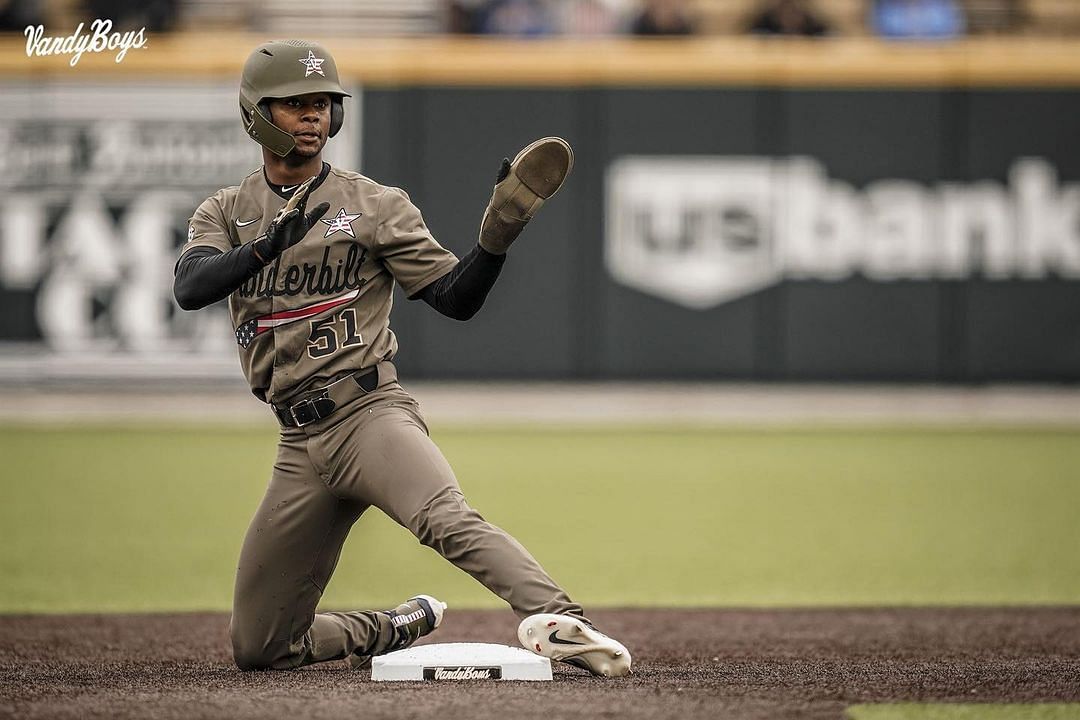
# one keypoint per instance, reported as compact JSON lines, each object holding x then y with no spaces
{"x":337,"y":115}
{"x":245,"y":115}
{"x":257,"y":124}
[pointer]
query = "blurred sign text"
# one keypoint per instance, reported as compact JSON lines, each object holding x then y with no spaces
{"x":703,"y":231}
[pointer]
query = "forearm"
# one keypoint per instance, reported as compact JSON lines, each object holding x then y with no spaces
{"x":460,"y":293}
{"x":205,"y":275}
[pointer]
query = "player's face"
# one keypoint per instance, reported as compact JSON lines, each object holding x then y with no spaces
{"x":306,"y":118}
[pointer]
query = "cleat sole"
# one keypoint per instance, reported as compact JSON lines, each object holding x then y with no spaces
{"x":590,"y":649}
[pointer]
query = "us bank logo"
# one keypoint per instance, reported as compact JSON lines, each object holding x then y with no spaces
{"x":702,"y":231}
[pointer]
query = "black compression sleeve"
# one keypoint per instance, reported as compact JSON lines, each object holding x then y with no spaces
{"x":459,"y":293}
{"x":205,"y":275}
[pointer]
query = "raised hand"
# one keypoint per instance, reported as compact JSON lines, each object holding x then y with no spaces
{"x":290,"y":225}
{"x":521,"y":188}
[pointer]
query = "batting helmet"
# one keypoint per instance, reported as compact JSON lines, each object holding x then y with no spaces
{"x":280,"y":69}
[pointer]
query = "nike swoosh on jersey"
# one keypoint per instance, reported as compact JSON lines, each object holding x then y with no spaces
{"x":290,"y":188}
{"x":553,"y":637}
{"x":245,"y":223}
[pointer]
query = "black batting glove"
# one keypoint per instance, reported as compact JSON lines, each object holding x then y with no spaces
{"x":290,"y":225}
{"x":504,"y":170}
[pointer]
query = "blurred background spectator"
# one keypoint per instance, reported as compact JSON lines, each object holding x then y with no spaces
{"x":918,"y":19}
{"x":15,"y":15}
{"x":663,"y":17}
{"x":522,"y":18}
{"x":787,"y":17}
{"x":998,"y":16}
{"x":589,"y":18}
{"x":465,"y":17}
{"x":586,"y":18}
{"x":154,"y":15}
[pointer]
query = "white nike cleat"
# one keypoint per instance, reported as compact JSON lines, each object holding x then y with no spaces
{"x":575,"y":642}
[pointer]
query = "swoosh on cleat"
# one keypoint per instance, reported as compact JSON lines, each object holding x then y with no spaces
{"x":554,"y":637}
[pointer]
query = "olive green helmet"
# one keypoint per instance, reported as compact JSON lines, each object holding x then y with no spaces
{"x":280,"y":69}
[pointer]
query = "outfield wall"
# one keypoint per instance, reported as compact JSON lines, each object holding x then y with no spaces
{"x":745,"y":210}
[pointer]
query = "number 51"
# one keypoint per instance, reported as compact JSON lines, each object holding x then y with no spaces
{"x":323,"y":339}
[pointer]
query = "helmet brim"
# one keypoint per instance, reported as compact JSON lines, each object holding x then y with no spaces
{"x":302,"y":87}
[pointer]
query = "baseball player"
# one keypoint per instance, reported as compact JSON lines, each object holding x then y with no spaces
{"x":309,"y":295}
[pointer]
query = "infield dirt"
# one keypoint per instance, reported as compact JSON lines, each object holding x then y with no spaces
{"x":688,"y":664}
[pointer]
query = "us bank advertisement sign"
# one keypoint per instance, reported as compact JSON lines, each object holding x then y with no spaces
{"x":98,"y":182}
{"x":702,"y":231}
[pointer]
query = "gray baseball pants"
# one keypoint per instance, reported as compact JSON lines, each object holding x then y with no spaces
{"x":374,"y":452}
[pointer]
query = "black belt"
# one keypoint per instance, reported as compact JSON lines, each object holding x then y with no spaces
{"x":322,"y":403}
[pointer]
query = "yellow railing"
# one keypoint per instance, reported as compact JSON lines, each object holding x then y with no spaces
{"x":1017,"y":62}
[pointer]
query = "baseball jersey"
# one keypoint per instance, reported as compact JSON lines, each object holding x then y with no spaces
{"x":322,"y":308}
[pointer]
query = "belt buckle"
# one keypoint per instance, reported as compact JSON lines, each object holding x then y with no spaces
{"x":307,"y":410}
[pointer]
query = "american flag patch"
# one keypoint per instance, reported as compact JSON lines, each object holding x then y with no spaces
{"x":246,"y":333}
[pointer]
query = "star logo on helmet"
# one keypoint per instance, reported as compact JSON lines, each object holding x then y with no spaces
{"x":312,"y":64}
{"x":341,"y":222}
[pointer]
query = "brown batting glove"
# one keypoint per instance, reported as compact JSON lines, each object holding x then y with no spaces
{"x":290,"y":225}
{"x":521,"y":188}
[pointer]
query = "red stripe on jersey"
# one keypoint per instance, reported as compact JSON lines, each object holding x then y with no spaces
{"x":322,"y":306}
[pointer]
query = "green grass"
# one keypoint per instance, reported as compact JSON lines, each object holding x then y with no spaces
{"x":113,"y":519}
{"x":911,"y":711}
